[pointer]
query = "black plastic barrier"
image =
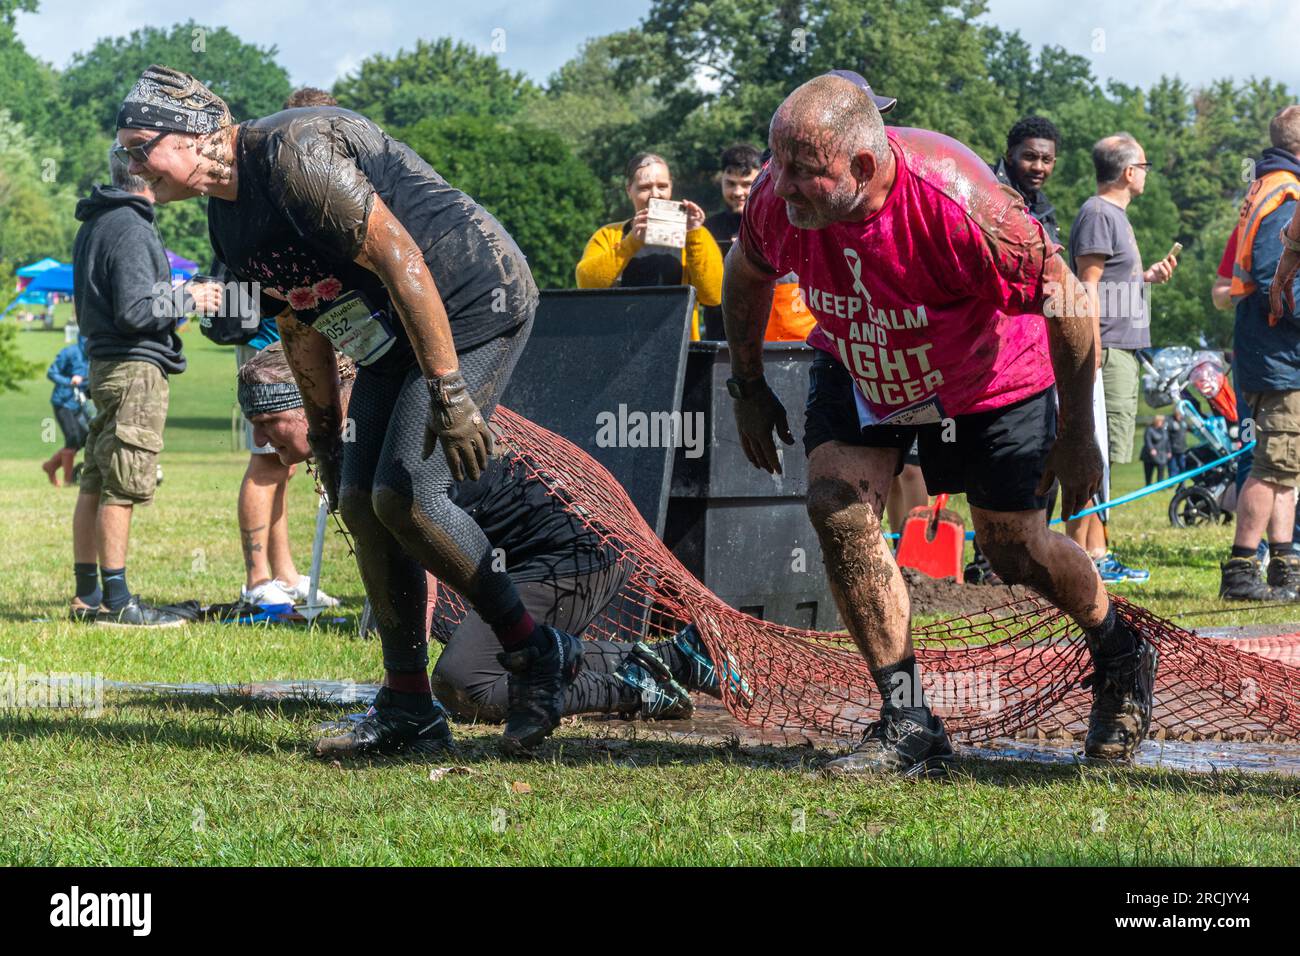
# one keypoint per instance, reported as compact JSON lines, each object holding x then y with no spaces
{"x":744,"y":533}
{"x":600,"y":359}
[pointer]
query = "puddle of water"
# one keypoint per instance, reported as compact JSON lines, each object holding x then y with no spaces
{"x":1199,"y":756}
{"x":318,"y":691}
{"x":712,"y":723}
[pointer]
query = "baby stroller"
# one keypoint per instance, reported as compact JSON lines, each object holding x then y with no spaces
{"x":1171,"y":374}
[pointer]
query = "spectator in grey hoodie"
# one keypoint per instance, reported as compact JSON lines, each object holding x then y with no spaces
{"x":128,"y":312}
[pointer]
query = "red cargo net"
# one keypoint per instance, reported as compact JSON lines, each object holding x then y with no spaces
{"x":1008,"y":671}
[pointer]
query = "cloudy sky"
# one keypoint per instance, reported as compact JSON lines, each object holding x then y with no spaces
{"x":1131,"y":40}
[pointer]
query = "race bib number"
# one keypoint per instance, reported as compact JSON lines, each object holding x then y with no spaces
{"x":355,"y":329}
{"x":928,"y":412}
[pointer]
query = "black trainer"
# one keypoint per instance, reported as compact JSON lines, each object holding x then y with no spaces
{"x":1284,"y":575}
{"x":1123,"y":696}
{"x":136,"y":613}
{"x":897,"y":745}
{"x":659,"y":697}
{"x":1241,"y":581}
{"x":388,"y":730}
{"x":535,"y":688}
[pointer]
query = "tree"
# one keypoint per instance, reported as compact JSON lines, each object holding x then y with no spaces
{"x":546,"y":199}
{"x":442,"y":78}
{"x":35,"y":210}
{"x":931,"y":53}
{"x":246,"y":76}
{"x":26,"y":84}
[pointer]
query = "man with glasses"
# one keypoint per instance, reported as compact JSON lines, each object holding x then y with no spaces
{"x":1105,"y":257}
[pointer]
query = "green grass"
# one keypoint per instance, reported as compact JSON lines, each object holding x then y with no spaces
{"x":220,"y":781}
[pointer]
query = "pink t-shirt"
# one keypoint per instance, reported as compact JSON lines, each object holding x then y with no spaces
{"x":934,"y":303}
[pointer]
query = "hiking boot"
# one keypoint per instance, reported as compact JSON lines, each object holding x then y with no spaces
{"x":661,"y":697}
{"x":1114,"y":571}
{"x":1284,"y":575}
{"x":897,"y":745}
{"x":1123,"y":693}
{"x":136,"y":613}
{"x":82,"y":612}
{"x":537,"y":681}
{"x":388,"y":730}
{"x":1241,"y":581}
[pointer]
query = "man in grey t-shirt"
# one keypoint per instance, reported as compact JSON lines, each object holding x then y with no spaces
{"x":1105,"y":257}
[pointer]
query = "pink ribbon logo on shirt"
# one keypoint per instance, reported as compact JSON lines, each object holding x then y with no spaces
{"x":855,"y":266}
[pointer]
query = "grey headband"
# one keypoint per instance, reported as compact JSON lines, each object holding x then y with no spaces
{"x":263,"y":398}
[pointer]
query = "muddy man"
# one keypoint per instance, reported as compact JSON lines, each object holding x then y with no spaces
{"x":358,"y":245}
{"x":944,"y":314}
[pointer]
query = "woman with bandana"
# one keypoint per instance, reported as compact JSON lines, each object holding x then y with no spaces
{"x":357,"y":245}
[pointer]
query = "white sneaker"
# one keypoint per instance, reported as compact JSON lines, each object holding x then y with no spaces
{"x":300,"y":595}
{"x":268,"y":593}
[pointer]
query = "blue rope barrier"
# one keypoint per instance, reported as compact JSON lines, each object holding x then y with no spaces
{"x":1135,"y":495}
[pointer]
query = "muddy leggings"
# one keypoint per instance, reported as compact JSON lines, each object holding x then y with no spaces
{"x":395,"y":502}
{"x":470,"y":681}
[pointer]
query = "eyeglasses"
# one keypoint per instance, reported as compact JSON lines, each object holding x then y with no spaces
{"x":139,"y":153}
{"x":1146,"y":166}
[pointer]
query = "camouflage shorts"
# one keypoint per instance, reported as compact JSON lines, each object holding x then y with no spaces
{"x":1277,"y":436}
{"x":126,"y":434}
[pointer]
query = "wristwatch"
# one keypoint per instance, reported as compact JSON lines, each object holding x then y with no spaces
{"x":745,"y":387}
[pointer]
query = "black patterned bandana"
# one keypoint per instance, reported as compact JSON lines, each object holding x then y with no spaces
{"x":167,"y":99}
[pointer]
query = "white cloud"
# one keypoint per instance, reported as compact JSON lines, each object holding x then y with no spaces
{"x":1138,"y":42}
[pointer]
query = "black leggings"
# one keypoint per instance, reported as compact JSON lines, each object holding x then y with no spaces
{"x":396,"y":506}
{"x":470,"y":681}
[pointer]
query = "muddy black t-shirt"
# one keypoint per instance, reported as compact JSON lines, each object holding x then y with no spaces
{"x":307,"y":182}
{"x":539,"y":538}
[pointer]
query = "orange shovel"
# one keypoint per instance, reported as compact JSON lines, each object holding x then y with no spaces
{"x":933,"y":541}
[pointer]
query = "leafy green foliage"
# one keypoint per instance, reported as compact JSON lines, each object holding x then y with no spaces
{"x":35,"y":210}
{"x":438,"y":79}
{"x":246,"y":76}
{"x":545,"y":197}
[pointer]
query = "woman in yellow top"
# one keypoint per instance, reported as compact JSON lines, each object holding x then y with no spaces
{"x":618,"y":256}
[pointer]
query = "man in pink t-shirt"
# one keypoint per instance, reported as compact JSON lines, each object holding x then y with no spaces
{"x":945,"y":315}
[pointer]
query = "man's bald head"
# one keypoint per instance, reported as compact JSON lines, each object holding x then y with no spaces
{"x":830,"y":113}
{"x":829,"y":152}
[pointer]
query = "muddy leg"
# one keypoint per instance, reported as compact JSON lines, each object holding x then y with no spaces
{"x":1023,"y":551}
{"x":847,"y":486}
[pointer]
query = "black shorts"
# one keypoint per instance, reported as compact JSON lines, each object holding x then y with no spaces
{"x":995,"y":458}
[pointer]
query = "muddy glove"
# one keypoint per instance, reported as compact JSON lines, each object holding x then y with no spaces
{"x":1282,"y":291}
{"x":758,"y":411}
{"x":456,"y":423}
{"x":327,"y":451}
